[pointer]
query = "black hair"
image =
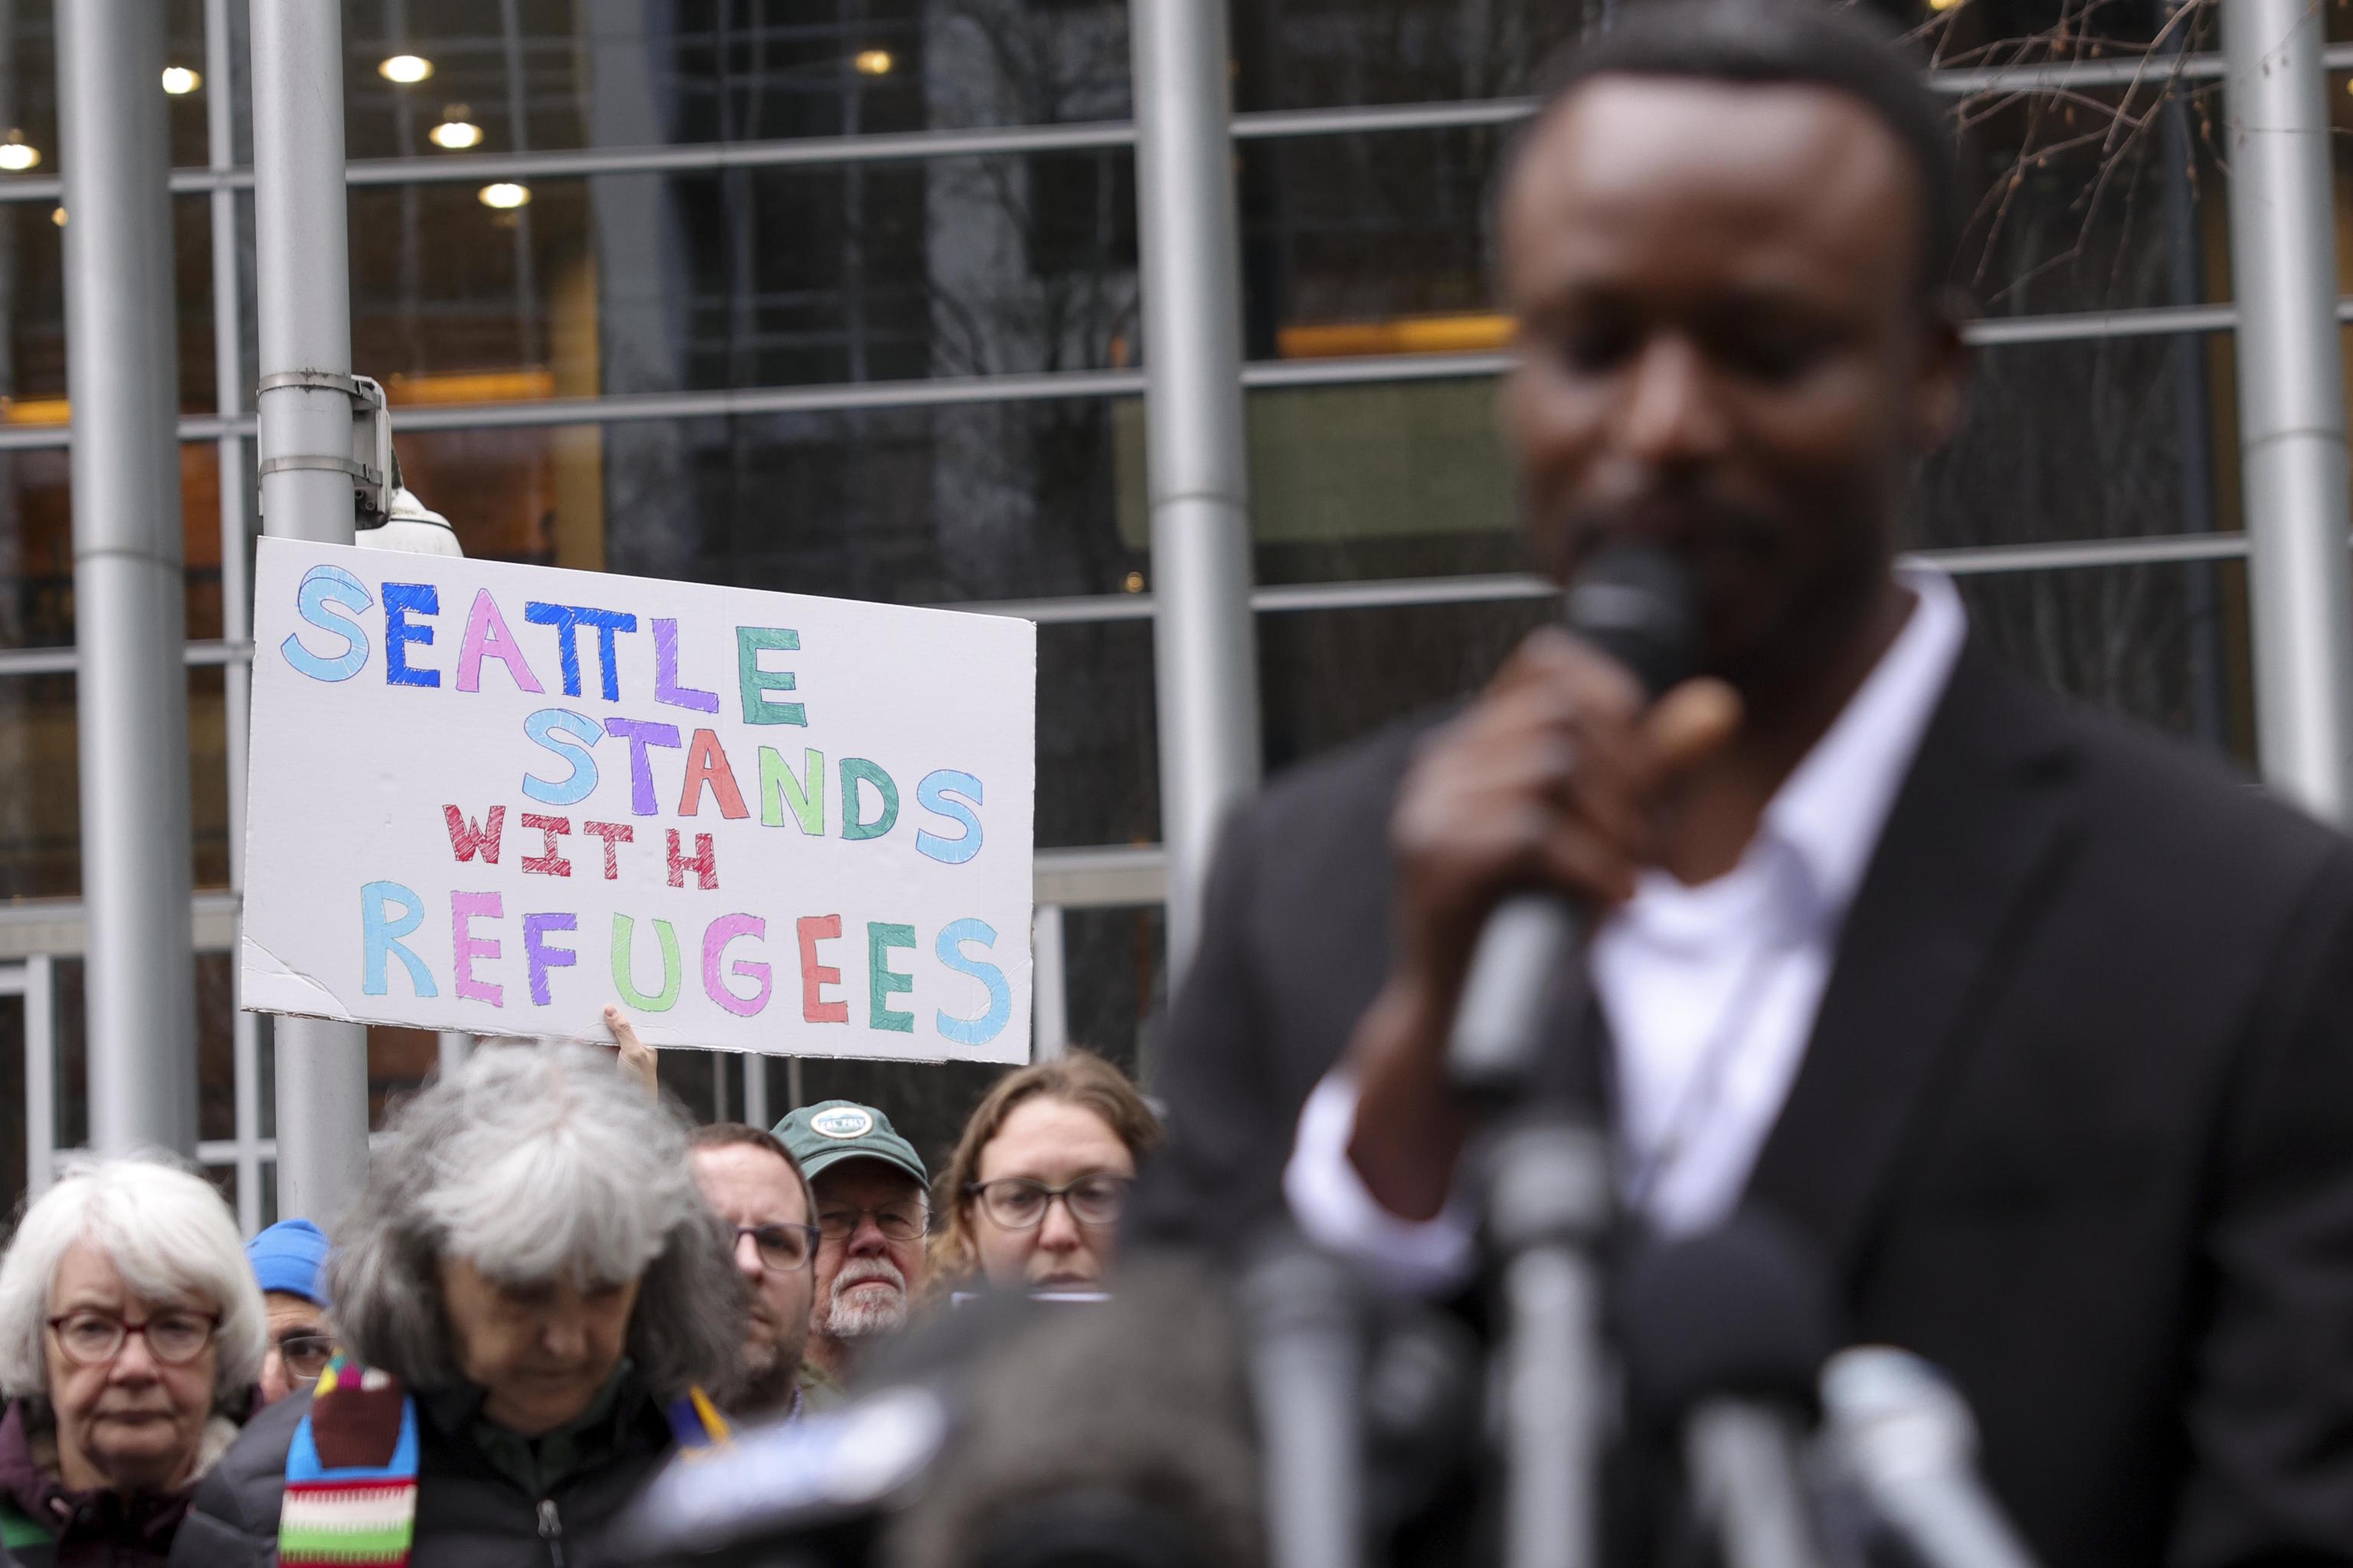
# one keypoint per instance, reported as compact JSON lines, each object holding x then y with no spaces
{"x":1798,"y":43}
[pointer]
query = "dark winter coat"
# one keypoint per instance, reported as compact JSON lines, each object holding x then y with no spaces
{"x":476,"y":1504}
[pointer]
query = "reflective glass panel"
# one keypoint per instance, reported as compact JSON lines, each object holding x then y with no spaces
{"x":764,"y":276}
{"x":913,"y":505}
{"x":40,"y":811}
{"x":2164,"y":644}
{"x":432,"y":77}
{"x":1328,"y":54}
{"x":2089,"y":441}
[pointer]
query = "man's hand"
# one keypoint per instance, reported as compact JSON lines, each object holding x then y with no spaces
{"x":634,"y":1056}
{"x":1553,"y":780}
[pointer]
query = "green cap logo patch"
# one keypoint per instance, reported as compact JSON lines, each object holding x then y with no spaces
{"x":842,"y":1121}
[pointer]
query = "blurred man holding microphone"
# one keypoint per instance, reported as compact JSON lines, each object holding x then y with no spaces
{"x":2038,"y":1028}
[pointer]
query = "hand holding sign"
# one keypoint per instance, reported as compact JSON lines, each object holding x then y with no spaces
{"x":489,"y":797}
{"x":633,"y":1056}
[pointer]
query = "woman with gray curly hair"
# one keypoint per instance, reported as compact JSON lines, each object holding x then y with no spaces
{"x":530,"y":1297}
{"x":131,"y":1332}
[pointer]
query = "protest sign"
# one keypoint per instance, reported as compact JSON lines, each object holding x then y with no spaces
{"x":496,"y":797}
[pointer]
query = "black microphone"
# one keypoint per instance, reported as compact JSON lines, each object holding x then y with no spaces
{"x":1724,"y":1334}
{"x":1636,"y":603}
{"x":1905,"y":1437}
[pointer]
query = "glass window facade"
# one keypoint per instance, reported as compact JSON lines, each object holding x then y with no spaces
{"x":841,"y":297}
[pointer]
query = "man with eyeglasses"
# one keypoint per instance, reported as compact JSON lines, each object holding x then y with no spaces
{"x":752,"y":1181}
{"x":873,"y":1210}
{"x":289,"y":1264}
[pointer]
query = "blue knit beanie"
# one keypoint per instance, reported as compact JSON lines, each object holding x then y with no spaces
{"x":292,"y":1256}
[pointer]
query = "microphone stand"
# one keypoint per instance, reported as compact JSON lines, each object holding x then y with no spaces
{"x":1547,"y":1207}
{"x":1546,"y":1196}
{"x":1546,"y":1180}
{"x":1307,"y":1355}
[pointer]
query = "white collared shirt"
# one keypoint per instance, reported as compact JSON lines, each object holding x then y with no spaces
{"x":1710,"y":991}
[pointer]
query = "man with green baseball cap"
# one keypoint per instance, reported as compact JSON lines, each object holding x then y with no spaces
{"x":873,"y":1210}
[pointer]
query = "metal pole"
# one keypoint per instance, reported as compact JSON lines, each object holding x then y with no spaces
{"x":302,"y":287}
{"x":2291,"y":400}
{"x":756,"y":1090}
{"x":132,"y":701}
{"x":41,"y":1075}
{"x":1204,"y":644}
{"x":1050,"y":985}
{"x":236,"y":610}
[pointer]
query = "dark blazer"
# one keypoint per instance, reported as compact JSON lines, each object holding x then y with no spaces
{"x":2076,"y":1121}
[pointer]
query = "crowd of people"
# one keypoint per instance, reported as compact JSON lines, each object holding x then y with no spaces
{"x":552,"y":1284}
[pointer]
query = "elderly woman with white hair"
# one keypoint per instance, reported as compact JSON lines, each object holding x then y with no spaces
{"x":530,"y":1298}
{"x":131,"y":1333}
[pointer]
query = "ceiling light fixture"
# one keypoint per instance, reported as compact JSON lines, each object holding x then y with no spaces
{"x":457,"y":132}
{"x":406,"y":69}
{"x":873,"y":63}
{"x":180,"y":81}
{"x":505,"y":195}
{"x":17,"y":154}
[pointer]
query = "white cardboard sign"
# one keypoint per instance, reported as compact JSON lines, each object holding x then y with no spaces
{"x":495,"y":798}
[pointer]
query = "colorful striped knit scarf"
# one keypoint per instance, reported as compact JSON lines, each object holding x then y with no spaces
{"x":351,"y":1475}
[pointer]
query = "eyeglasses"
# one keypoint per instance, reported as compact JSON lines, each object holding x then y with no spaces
{"x":1018,"y":1204}
{"x":783,"y":1248}
{"x":174,"y":1338}
{"x":305,"y":1356}
{"x":903,"y":1221}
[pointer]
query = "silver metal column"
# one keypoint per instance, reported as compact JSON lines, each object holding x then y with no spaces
{"x":1049,"y":986}
{"x":35,"y":980}
{"x":755,"y":1091}
{"x":237,"y":607}
{"x":1197,"y":450}
{"x":302,"y":281}
{"x":132,"y":699}
{"x":2291,"y":400}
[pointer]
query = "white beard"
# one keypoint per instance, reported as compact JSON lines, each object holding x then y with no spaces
{"x":870,"y":1312}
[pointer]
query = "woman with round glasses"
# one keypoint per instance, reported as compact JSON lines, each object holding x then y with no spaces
{"x":131,"y":1334}
{"x":1034,"y":1193}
